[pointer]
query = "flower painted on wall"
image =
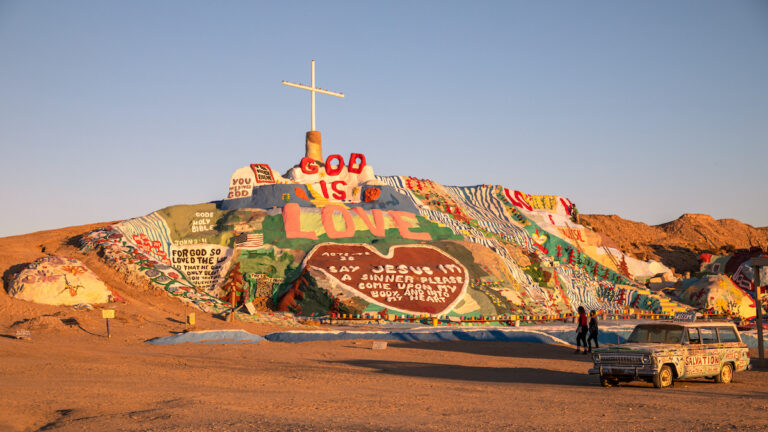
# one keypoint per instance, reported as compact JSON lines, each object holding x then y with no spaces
{"x":45,"y":276}
{"x":73,"y":270}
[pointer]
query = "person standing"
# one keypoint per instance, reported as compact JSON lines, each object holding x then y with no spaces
{"x":581,"y":331}
{"x":593,"y":330}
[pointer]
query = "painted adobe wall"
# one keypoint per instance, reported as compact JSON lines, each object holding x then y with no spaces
{"x":737,"y":266}
{"x":737,"y":269}
{"x":718,"y":294}
{"x":56,"y":280}
{"x":334,"y":237}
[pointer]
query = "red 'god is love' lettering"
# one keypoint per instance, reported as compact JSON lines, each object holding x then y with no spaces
{"x":356,"y":164}
{"x":334,"y":165}
{"x":404,"y":221}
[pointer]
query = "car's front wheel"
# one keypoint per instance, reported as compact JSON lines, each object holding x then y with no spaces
{"x":664,"y":377}
{"x":726,"y":374}
{"x":608,"y":381}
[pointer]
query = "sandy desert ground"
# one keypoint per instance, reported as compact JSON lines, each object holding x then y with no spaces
{"x":69,"y":376}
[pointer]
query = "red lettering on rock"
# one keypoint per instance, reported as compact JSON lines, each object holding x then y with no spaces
{"x":324,"y":187}
{"x":309,"y":166}
{"x":329,"y":169}
{"x":356,"y":163}
{"x":339,"y":194}
{"x":567,"y":204}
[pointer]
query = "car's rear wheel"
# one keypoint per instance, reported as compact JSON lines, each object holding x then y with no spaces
{"x":664,"y":378}
{"x":726,"y":374}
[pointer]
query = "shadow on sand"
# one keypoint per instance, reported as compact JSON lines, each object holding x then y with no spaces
{"x":501,"y":349}
{"x":73,"y":322}
{"x":474,"y":373}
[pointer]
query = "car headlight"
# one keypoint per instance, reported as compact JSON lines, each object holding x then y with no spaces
{"x":646,"y":359}
{"x":596,"y":358}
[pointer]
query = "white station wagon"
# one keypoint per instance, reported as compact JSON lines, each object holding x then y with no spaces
{"x":663,"y":352}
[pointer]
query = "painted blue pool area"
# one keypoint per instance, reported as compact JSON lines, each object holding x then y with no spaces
{"x":547,"y":334}
{"x":610,"y":333}
{"x":416,"y":336}
{"x":550,"y":334}
{"x":209,"y":337}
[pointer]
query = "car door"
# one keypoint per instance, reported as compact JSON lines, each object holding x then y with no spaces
{"x":713,"y":352}
{"x":733,"y":349}
{"x":695,"y":355}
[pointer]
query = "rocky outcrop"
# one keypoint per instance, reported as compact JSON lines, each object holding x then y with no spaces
{"x":679,"y":243}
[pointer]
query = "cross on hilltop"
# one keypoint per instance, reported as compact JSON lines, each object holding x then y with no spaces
{"x":312,"y":89}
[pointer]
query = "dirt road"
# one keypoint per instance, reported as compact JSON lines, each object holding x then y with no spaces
{"x":73,"y":380}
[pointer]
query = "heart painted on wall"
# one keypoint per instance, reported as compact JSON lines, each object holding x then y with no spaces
{"x":418,"y":279}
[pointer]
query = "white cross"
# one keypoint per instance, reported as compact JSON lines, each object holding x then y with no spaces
{"x":313,"y":90}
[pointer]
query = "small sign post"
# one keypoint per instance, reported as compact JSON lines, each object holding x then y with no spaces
{"x":107,"y":314}
{"x":191,"y":319}
{"x":379,"y":345}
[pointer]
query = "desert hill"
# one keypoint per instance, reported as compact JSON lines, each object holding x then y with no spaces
{"x":145,"y":313}
{"x":338,"y":239}
{"x":678,"y":243}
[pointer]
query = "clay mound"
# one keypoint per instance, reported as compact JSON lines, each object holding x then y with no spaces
{"x":58,"y":280}
{"x":718,"y":294}
{"x":678,"y":243}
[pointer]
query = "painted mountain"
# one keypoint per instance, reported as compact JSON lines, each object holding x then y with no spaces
{"x":334,"y":237}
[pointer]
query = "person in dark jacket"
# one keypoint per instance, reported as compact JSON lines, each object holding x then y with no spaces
{"x":581,"y":331}
{"x":593,"y":330}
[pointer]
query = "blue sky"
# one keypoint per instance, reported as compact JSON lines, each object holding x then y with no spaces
{"x":111,"y":110}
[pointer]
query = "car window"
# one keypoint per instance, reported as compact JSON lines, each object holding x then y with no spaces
{"x":639,"y":335}
{"x":656,"y":334}
{"x":693,"y":335}
{"x":727,"y":334}
{"x":708,"y":335}
{"x":674,"y":336}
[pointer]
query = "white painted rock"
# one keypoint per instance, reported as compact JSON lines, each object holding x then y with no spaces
{"x":58,"y":280}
